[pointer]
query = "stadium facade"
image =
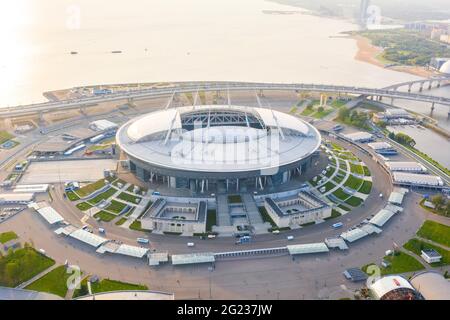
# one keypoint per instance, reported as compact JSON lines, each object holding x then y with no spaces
{"x":211,"y":147}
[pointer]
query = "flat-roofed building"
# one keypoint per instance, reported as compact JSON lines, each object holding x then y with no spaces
{"x":417,"y":180}
{"x":405,"y":166}
{"x":293,"y":211}
{"x":16,"y":198}
{"x":103,"y":125}
{"x":359,"y":136}
{"x":179,"y":217}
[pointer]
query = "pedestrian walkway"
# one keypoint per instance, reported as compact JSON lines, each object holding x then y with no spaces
{"x":223,"y":212}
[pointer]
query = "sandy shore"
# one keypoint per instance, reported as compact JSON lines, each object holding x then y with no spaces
{"x":369,"y":53}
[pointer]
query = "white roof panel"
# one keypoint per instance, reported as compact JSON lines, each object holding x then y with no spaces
{"x":131,"y":251}
{"x":369,"y":228}
{"x":381,"y":217}
{"x":192,"y":258}
{"x":307,"y":248}
{"x":405,"y":166}
{"x":418,"y":179}
{"x":357,"y":136}
{"x":50,"y":214}
{"x":379,"y":145}
{"x":151,"y":123}
{"x":353,"y":235}
{"x":396,"y":197}
{"x":88,"y":238}
{"x":272,"y":118}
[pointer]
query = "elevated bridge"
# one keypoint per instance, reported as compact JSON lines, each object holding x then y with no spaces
{"x":183,"y":87}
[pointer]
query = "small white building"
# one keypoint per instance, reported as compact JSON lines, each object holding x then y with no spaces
{"x":103,"y":125}
{"x":405,"y":166}
{"x":431,"y":256}
{"x":416,"y":180}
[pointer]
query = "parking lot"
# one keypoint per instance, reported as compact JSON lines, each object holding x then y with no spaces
{"x":65,"y":171}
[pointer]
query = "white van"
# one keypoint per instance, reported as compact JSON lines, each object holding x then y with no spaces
{"x":276,"y":231}
{"x":290,"y":238}
{"x":190,"y":244}
{"x":101,"y":230}
{"x":42,"y":251}
{"x":211,"y":236}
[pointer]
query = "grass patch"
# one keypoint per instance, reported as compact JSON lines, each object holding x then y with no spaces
{"x":103,"y":196}
{"x":416,"y":246}
{"x":83,"y":206}
{"x":7,"y":236}
{"x":21,"y":265}
{"x":136,"y":225}
{"x":116,"y":206}
{"x":104,"y":216}
{"x":116,"y":183}
{"x":88,"y":189}
{"x":357,"y":169}
{"x":354,"y":201}
{"x":53,"y":282}
{"x":211,"y":219}
{"x":344,"y":207}
{"x":436,"y":232}
{"x":366,"y":187}
{"x":121,"y":221}
{"x":129,"y":197}
{"x":5,"y":136}
{"x":234,"y":198}
{"x":328,"y":186}
{"x":106,"y":285}
{"x":400,"y":263}
{"x":72,"y":196}
{"x":341,"y":194}
{"x":366,"y":171}
{"x":353,"y":182}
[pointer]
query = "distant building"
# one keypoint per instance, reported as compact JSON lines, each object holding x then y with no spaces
{"x":437,"y":63}
{"x":359,"y":136}
{"x":363,"y":6}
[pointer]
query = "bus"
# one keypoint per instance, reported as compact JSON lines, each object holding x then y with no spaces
{"x":337,"y":225}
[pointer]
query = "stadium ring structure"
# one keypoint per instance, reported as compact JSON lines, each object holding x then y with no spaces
{"x":214,"y":147}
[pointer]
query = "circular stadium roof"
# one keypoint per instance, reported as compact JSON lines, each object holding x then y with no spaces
{"x":445,"y":68}
{"x":218,"y":138}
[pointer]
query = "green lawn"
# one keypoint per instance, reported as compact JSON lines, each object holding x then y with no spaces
{"x":83,"y":206}
{"x":116,"y":206}
{"x":121,"y":221}
{"x":436,"y":232}
{"x":340,"y":194}
{"x":72,"y":196}
{"x":53,"y":282}
{"x":307,"y":112}
{"x":235,"y":198}
{"x":353,"y":183}
{"x":211,"y":219}
{"x":88,"y":189}
{"x":5,"y":136}
{"x":366,"y":171}
{"x":416,"y":246}
{"x":21,"y":265}
{"x":357,"y":169}
{"x":401,"y":263}
{"x":366,"y":187}
{"x":328,"y":186}
{"x":7,"y":236}
{"x":104,"y":216}
{"x":354,"y":201}
{"x":115,"y":183}
{"x":344,"y":207}
{"x":103,"y":196}
{"x":136,"y":225}
{"x":322,"y":114}
{"x":106,"y":285}
{"x":129,"y":197}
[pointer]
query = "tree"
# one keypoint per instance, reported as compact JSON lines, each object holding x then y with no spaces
{"x":438,"y":200}
{"x":343,"y":113}
{"x":320,"y":109}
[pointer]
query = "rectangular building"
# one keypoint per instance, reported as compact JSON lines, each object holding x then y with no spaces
{"x":417,"y":180}
{"x":406,"y":166}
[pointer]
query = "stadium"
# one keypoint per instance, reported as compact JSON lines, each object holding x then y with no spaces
{"x":218,"y":147}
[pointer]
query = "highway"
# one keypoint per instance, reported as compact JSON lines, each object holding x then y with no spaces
{"x":182,"y":87}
